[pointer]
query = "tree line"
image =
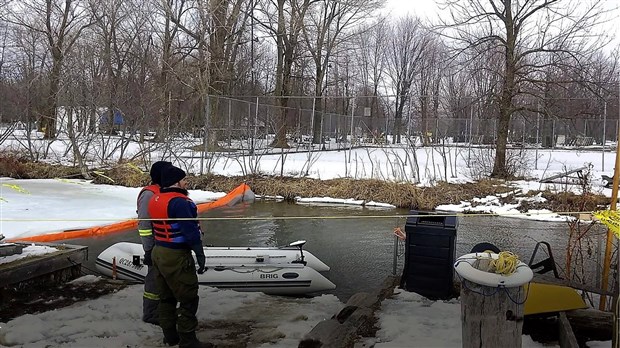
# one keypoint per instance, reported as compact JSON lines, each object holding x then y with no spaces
{"x":174,"y":63}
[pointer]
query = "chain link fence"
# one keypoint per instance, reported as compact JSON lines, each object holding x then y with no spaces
{"x":370,"y":121}
{"x":251,"y":123}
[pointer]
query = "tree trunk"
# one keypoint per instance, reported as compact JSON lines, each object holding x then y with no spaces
{"x":499,"y":166}
{"x":48,"y":120}
{"x":506,"y":101}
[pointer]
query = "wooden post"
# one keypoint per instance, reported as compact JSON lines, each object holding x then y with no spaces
{"x":610,"y":234}
{"x":491,"y":317}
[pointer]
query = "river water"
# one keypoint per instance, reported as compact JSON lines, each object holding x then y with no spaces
{"x":357,"y":243}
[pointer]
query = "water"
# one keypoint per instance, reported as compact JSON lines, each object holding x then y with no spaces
{"x":357,"y":243}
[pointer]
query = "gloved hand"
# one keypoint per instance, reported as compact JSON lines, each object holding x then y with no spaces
{"x":147,"y":258}
{"x":201,"y":264}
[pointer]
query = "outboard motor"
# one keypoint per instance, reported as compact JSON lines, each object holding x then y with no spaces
{"x":300,"y":245}
{"x":135,"y":260}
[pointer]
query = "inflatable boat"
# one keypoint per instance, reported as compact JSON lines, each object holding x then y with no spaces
{"x":279,"y":271}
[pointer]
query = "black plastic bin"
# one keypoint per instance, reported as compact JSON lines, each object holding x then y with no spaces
{"x":429,"y":254}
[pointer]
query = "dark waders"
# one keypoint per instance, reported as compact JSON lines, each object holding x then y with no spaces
{"x":177,"y":282}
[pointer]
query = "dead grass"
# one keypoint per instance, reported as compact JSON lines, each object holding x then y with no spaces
{"x":124,"y":174}
{"x":14,"y":166}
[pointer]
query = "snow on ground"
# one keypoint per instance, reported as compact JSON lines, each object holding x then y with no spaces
{"x":29,"y":251}
{"x":406,"y":320}
{"x":114,"y":320}
{"x":37,"y":206}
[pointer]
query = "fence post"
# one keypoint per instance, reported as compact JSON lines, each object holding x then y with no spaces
{"x":255,"y":125}
{"x":205,"y":136}
{"x":553,"y":134}
{"x":604,"y":136}
{"x":351,"y":143}
{"x":537,"y":135}
{"x":229,"y":122}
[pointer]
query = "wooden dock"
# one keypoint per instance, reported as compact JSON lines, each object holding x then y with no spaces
{"x":54,"y":267}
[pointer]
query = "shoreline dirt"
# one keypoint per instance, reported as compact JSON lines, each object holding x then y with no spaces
{"x":37,"y":298}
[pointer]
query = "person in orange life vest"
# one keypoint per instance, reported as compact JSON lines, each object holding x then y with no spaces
{"x":177,"y":234}
{"x":150,"y":297}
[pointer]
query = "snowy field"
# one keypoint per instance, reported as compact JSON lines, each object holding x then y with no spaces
{"x":407,"y":162}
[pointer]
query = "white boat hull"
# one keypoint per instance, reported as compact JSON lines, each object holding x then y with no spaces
{"x":242,"y":269}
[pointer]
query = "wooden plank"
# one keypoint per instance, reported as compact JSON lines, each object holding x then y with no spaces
{"x":561,"y":175}
{"x":36,"y":266}
{"x":354,"y":320}
{"x":8,"y":249}
{"x":566,"y":336}
{"x":592,"y":323}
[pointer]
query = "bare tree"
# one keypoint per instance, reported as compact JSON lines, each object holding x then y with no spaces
{"x":216,"y":30}
{"x":284,"y":21}
{"x":406,"y":47}
{"x":371,"y":65}
{"x":428,"y":85}
{"x":523,"y":30}
{"x":61,"y":22}
{"x":325,"y":27}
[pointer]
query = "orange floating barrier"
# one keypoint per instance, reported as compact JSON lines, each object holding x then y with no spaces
{"x":233,"y":197}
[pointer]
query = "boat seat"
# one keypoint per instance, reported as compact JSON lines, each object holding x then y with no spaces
{"x":546,"y":265}
{"x":609,"y":181}
{"x":484,"y":246}
{"x":543,"y":266}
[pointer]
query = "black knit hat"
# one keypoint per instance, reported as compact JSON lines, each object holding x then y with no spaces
{"x":156,"y":170}
{"x":171,"y":175}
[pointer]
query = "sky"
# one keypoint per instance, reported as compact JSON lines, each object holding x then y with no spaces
{"x":114,"y":319}
{"x":429,"y":9}
{"x":421,"y":8}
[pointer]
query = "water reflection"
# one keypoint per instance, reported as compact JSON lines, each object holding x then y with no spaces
{"x":360,"y":249}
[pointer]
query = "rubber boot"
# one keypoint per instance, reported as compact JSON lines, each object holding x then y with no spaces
{"x":171,"y":337}
{"x":189,"y":340}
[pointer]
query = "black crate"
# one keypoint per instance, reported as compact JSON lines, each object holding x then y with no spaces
{"x":430,"y":254}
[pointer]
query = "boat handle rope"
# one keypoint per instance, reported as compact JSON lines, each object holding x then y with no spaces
{"x":496,"y":290}
{"x":248,"y":271}
{"x":506,"y":263}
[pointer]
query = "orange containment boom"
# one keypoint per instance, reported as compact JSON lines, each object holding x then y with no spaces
{"x":233,"y":197}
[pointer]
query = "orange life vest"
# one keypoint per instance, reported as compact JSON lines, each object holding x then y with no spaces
{"x":165,"y":230}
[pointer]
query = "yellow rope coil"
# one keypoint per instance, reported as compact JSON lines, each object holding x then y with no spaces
{"x":506,"y":263}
